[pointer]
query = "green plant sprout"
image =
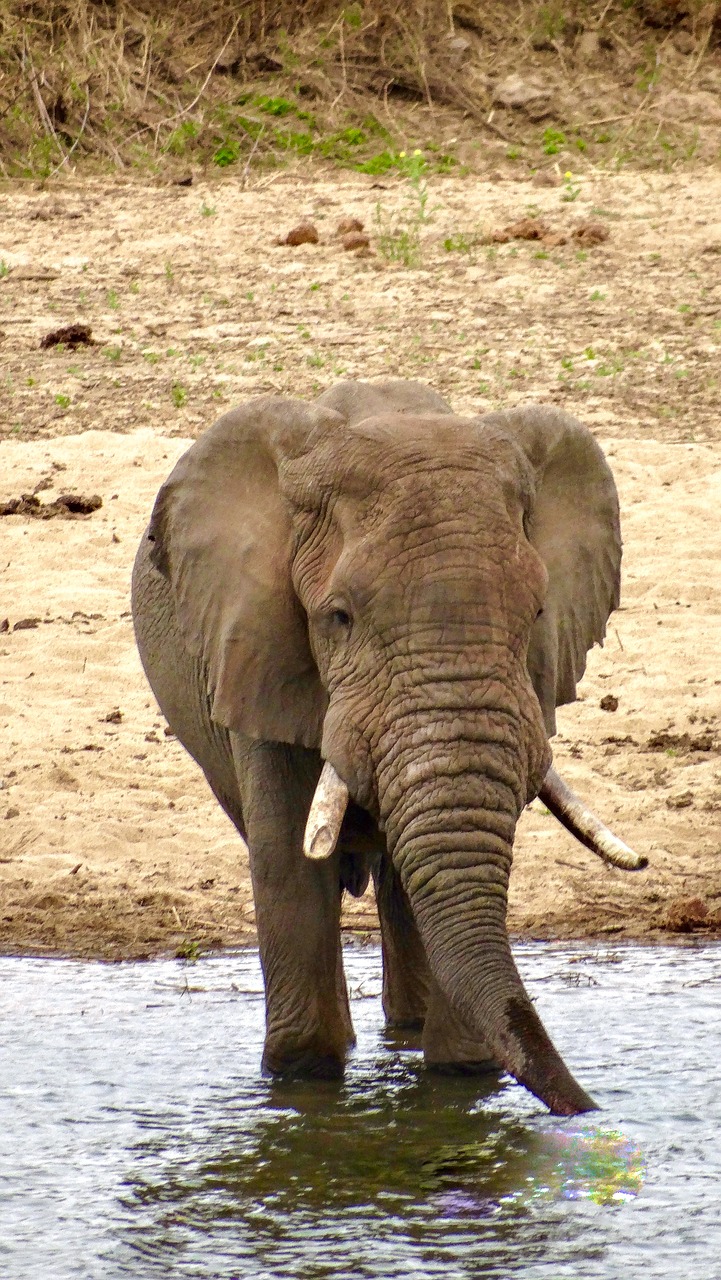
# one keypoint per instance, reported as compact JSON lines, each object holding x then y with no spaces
{"x":399,"y":236}
{"x":553,"y":140}
{"x":571,"y":190}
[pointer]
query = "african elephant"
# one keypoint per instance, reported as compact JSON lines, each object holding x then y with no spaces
{"x":376,"y":583}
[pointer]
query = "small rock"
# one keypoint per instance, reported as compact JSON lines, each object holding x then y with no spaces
{"x":27,"y":624}
{"x":12,"y":812}
{"x":113,"y":717}
{"x":4,"y":624}
{"x":588,"y":234}
{"x":554,"y":239}
{"x":346,"y":225}
{"x":355,"y":240}
{"x":304,"y":233}
{"x":682,"y":801}
{"x":686,"y":914}
{"x":515,"y":92}
{"x":609,"y":702}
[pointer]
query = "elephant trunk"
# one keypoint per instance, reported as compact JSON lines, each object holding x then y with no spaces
{"x":450,"y":832}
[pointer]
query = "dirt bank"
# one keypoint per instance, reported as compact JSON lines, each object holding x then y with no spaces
{"x":110,"y":844}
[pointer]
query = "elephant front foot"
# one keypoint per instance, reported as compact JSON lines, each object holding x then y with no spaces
{"x":449,"y":1045}
{"x":314,"y":1060}
{"x":304,"y":1065}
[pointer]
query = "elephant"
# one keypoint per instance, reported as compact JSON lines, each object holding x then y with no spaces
{"x":359,"y":616}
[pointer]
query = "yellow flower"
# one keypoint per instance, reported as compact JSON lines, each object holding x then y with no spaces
{"x":401,"y":155}
{"x":417,"y":152}
{"x":568,"y":175}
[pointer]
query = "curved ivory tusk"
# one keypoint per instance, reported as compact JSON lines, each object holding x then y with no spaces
{"x":565,"y":805}
{"x":326,"y":814}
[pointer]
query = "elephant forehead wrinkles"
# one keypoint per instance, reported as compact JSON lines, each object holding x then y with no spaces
{"x":470,"y":578}
{"x":450,"y":454}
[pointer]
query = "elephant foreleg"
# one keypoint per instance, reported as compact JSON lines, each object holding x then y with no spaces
{"x":297,"y":903}
{"x":406,"y":976}
{"x":448,"y":1044}
{"x":411,"y":995}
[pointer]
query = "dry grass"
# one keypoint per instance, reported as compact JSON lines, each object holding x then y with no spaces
{"x":148,"y":86}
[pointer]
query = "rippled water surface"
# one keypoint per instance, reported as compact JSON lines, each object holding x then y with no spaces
{"x":139,"y":1139}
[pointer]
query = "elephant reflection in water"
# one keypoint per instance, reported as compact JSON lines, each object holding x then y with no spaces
{"x":359,"y":616}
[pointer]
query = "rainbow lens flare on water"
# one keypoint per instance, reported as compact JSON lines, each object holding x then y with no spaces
{"x":602,"y":1165}
{"x":518,"y":1166}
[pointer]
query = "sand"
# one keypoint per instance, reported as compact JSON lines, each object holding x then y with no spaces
{"x":111,"y":845}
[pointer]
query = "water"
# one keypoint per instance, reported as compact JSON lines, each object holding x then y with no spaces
{"x":138,"y":1138}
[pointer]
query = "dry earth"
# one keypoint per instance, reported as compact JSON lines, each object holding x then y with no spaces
{"x":110,"y":844}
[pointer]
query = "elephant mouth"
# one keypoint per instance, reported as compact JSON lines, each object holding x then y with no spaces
{"x":331,"y":798}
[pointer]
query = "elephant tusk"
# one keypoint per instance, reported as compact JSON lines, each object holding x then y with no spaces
{"x":326,"y":814}
{"x":565,"y":805}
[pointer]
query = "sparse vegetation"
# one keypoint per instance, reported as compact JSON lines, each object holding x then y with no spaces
{"x":399,"y":234}
{"x":132,"y":84}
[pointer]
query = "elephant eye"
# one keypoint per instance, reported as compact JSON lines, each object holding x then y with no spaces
{"x":340,"y":618}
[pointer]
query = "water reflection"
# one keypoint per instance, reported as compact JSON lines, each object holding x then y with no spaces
{"x":140,"y":1139}
{"x":396,"y":1163}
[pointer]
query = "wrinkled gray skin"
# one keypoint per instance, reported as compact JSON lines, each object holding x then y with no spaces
{"x":374,"y":581}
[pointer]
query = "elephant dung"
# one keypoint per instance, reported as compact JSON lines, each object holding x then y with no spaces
{"x":305,"y":233}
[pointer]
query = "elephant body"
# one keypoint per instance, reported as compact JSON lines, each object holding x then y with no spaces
{"x":373,"y":581}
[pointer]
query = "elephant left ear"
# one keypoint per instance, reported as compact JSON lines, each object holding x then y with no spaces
{"x":574,"y":526}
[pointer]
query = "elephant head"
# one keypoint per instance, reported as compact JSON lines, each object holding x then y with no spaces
{"x":412,"y":594}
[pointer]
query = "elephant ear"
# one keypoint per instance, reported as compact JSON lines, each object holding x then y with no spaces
{"x":221,"y":535}
{"x":574,"y":526}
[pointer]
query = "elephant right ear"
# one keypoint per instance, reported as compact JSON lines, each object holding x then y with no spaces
{"x":221,"y":535}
